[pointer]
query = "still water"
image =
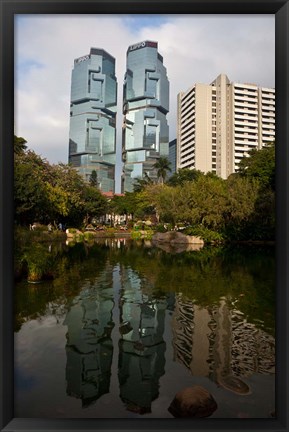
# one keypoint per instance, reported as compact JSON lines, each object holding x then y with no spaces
{"x":123,"y":326}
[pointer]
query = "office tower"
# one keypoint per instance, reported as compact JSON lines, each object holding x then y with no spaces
{"x":145,"y":106}
{"x":92,"y":134}
{"x":219,"y":123}
{"x":172,"y":157}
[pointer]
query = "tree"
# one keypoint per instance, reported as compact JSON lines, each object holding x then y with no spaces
{"x":141,"y":183}
{"x":19,"y":145}
{"x":94,"y":203}
{"x":31,"y":202}
{"x":162,"y":166}
{"x":260,"y":164}
{"x":166,"y":202}
{"x":124,"y":204}
{"x":93,"y":181}
{"x":44,"y":192}
{"x":183,"y":175}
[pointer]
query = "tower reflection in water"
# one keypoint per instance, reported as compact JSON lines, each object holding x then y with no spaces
{"x":141,"y":347}
{"x":89,"y":347}
{"x":219,"y":343}
{"x":215,"y":342}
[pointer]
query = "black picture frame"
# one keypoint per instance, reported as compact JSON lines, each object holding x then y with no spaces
{"x":8,"y":9}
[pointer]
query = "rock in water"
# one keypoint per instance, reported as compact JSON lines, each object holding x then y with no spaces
{"x":193,"y":401}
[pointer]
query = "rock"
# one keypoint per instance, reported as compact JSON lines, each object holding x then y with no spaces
{"x":193,"y":401}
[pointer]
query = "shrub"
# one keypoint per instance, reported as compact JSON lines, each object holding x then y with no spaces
{"x":88,"y":236}
{"x":161,"y":228}
{"x":206,"y":234}
{"x":136,"y":235}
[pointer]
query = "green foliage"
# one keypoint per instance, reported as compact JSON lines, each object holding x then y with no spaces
{"x":141,"y":183}
{"x":46,"y":193}
{"x":207,"y":200}
{"x":206,"y":234}
{"x":260,"y":164}
{"x":161,"y":228}
{"x":239,"y":208}
{"x":94,"y":203}
{"x":166,"y":202}
{"x":72,"y":230}
{"x":39,"y":262}
{"x":30,"y":191}
{"x":93,"y":181}
{"x":125,"y":204}
{"x":88,"y":236}
{"x":184,"y":175}
{"x":19,"y":145}
{"x":146,"y":234}
{"x":136,"y":235}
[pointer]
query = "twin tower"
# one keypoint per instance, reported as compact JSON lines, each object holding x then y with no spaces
{"x":93,"y":109}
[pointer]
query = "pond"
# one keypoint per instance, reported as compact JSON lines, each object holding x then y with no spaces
{"x":122,"y":326}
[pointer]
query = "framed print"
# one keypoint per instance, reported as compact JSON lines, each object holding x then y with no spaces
{"x":144,"y":227}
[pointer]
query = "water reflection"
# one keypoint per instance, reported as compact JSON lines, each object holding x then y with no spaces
{"x":89,"y":347}
{"x":141,"y":348}
{"x":219,"y":343}
{"x":134,"y":312}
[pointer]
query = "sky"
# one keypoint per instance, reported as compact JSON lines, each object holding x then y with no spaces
{"x":195,"y":49}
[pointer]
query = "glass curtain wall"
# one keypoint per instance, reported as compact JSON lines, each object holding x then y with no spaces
{"x":92,"y":134}
{"x":145,"y":106}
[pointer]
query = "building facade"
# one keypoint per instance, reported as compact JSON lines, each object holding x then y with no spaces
{"x":145,"y":106}
{"x":219,"y":123}
{"x":92,"y":133}
{"x":172,"y":157}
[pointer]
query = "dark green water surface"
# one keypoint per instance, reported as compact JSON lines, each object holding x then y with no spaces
{"x":123,"y":326}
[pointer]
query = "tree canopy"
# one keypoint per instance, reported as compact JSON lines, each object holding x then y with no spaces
{"x":241,"y":207}
{"x":183,"y":175}
{"x":45,"y":192}
{"x":260,"y":164}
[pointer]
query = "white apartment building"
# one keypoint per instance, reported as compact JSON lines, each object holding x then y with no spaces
{"x":219,"y":123}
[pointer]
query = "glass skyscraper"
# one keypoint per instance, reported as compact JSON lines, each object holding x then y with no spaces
{"x":92,"y":134}
{"x":145,"y":106}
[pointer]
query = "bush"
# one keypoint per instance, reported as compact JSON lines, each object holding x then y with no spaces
{"x":136,"y":235}
{"x":161,"y":228}
{"x":88,"y":236}
{"x":206,"y":234}
{"x":142,"y":234}
{"x":72,"y":230}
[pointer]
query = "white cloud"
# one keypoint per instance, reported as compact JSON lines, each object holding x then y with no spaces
{"x":195,"y":48}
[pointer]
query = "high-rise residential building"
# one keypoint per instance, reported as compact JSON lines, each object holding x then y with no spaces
{"x":92,"y":134}
{"x":219,"y":123}
{"x":145,"y":106}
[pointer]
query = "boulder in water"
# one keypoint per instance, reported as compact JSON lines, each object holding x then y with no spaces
{"x":193,"y":401}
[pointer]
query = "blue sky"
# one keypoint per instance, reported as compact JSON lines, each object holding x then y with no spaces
{"x":195,"y":48}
